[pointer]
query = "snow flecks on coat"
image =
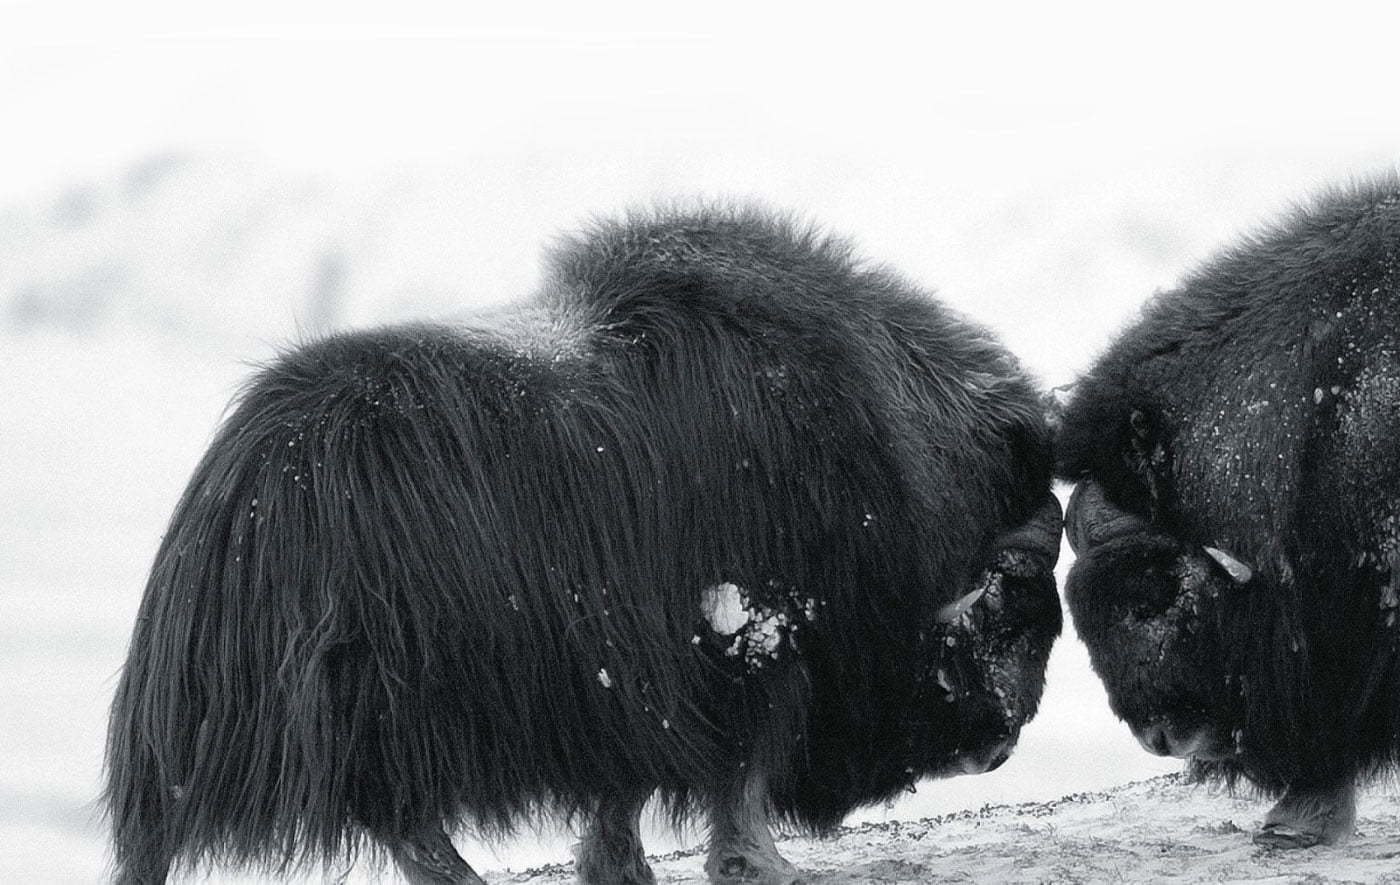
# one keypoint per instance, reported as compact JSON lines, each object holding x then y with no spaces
{"x":759,"y":630}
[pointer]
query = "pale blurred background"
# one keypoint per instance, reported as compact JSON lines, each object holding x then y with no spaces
{"x":183,"y":191}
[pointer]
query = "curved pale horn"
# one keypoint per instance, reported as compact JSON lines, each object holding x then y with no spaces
{"x":955,"y":609}
{"x":1238,"y":571}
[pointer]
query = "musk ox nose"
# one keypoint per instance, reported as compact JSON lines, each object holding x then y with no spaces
{"x":988,"y":759}
{"x":1162,"y":740}
{"x":1154,"y":739}
{"x":999,"y":758}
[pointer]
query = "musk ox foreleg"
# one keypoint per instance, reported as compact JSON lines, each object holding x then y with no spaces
{"x":741,"y":843}
{"x":1308,"y":816}
{"x":426,"y":857}
{"x":611,"y":852}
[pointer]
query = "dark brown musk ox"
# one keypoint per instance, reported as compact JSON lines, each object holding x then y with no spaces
{"x":720,"y":515}
{"x":1237,"y":518}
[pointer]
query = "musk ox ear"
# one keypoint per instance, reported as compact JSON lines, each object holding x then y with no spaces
{"x":1145,"y":455}
{"x":1144,"y":440}
{"x":1141,"y":426}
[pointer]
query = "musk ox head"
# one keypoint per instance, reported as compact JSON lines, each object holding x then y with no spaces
{"x":992,"y":646}
{"x":1146,"y":606}
{"x":950,"y":696}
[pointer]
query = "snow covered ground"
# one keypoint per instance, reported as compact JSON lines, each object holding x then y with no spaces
{"x":1159,"y":830}
{"x":132,"y":302}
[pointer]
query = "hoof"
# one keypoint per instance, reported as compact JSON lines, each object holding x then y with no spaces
{"x":1306,"y":817}
{"x":741,"y":870}
{"x":1285,"y":837}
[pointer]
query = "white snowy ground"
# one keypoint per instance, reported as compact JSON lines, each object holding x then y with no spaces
{"x":1159,"y":830}
{"x":130,"y":305}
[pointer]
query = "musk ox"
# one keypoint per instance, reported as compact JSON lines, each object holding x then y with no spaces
{"x":1237,"y":519}
{"x":720,"y":515}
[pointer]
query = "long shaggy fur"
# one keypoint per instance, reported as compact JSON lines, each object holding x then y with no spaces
{"x":1256,"y":409}
{"x":452,"y":574}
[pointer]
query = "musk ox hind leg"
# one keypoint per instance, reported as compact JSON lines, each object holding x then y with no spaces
{"x":611,"y":851}
{"x":426,"y":857}
{"x":741,"y":843}
{"x":1309,"y":816}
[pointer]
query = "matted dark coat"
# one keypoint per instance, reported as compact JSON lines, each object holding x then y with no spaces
{"x":1238,"y":519}
{"x":695,"y":519}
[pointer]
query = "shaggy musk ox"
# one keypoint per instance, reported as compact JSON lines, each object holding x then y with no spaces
{"x":1237,"y":520}
{"x":720,"y":515}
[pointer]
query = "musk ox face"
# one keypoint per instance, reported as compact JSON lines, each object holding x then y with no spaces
{"x":1147,"y":607}
{"x":992,"y":646}
{"x":969,"y":678}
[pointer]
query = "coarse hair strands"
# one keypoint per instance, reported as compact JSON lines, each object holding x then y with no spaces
{"x":454,"y":574}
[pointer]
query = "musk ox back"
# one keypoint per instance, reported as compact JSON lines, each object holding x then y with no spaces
{"x":1238,"y":515}
{"x":719,"y":514}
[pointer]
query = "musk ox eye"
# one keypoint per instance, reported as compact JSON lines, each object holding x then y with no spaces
{"x":1153,"y":594}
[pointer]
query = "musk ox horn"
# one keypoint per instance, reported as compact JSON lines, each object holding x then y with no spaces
{"x":1238,"y":571}
{"x":1039,"y":535}
{"x":1092,"y":519}
{"x":955,"y":609}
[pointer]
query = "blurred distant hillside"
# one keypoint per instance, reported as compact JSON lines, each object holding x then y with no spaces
{"x":234,"y":256}
{"x":174,"y":246}
{"x":217,"y":251}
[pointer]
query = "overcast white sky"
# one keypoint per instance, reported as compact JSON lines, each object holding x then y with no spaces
{"x":345,"y":89}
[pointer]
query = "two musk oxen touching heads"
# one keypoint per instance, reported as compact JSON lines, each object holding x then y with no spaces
{"x":720,"y":515}
{"x":1237,"y":519}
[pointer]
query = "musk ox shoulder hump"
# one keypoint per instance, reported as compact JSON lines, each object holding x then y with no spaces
{"x":786,"y":284}
{"x":722,"y":246}
{"x":1326,"y":252}
{"x":1293,"y":292}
